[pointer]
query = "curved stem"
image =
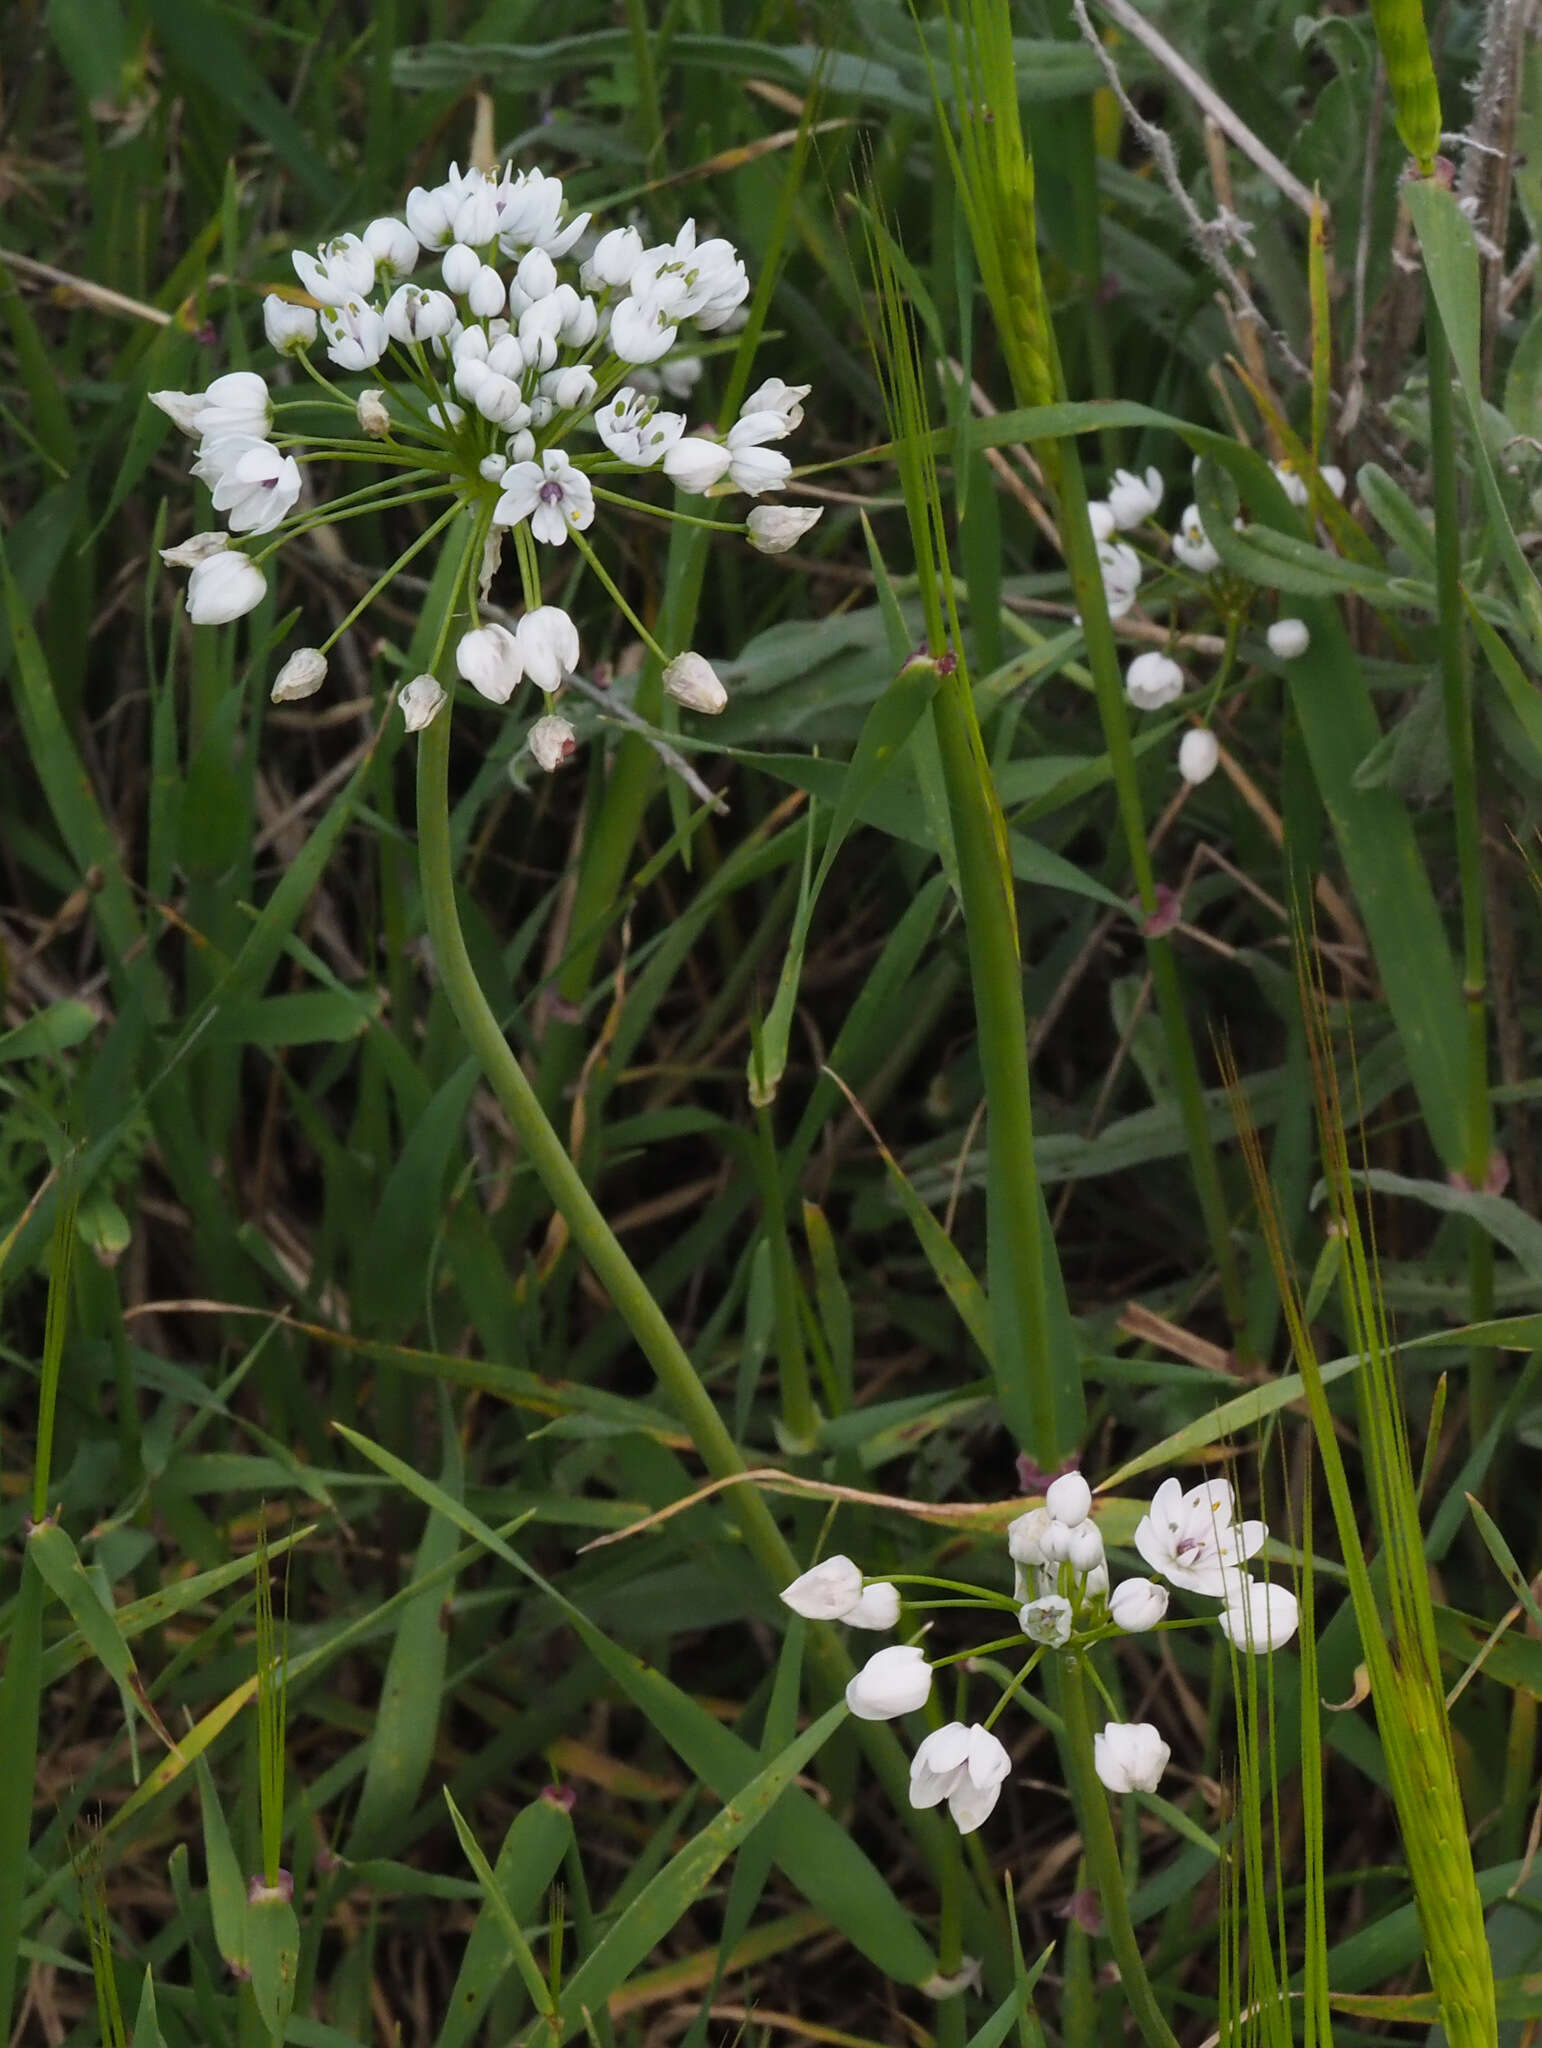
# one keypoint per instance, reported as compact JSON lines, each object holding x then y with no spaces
{"x":1102,"y":1853}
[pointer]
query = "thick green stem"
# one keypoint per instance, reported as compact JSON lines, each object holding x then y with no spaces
{"x":1108,"y":684}
{"x":1456,"y":691}
{"x":592,"y":1235}
{"x":1102,"y":1853}
{"x":1025,"y":1373}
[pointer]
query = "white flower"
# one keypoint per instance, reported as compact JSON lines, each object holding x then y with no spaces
{"x":633,"y":429}
{"x":640,"y":331}
{"x":496,"y":397}
{"x":696,"y":463}
{"x":1101,"y":515}
{"x":878,"y":1608}
{"x":548,"y":646}
{"x":491,"y":468}
{"x":1199,"y":754}
{"x":1132,"y":498}
{"x":1293,"y":485}
{"x":446,"y":417}
{"x":485,"y":294}
{"x":198,"y":547}
{"x":680,"y":375}
{"x":1095,"y":1584}
{"x":1153,"y":680}
{"x":488,"y":658}
{"x":1069,"y":1499}
{"x":1121,"y":570}
{"x":774,"y":529}
{"x":580,"y":317}
{"x":552,"y":740}
{"x":236,"y":403}
{"x":223,"y":453}
{"x":459,"y":268}
{"x":341,"y":269}
{"x":258,"y":490}
{"x":1189,"y":1538}
{"x":551,"y":494}
{"x":1056,"y":1542}
{"x":521,"y":445}
{"x":775,"y":396}
{"x":1025,"y":1536}
{"x":753,"y":467}
{"x":571,"y":389}
{"x":965,"y":1766}
{"x":289,"y":328}
{"x":1084,"y":1552}
{"x":535,"y":276}
{"x":892,"y":1682}
{"x":394,"y":247}
{"x":1137,"y":1604}
{"x":539,"y":326}
{"x":413,"y":314}
{"x":692,"y":681}
{"x":828,"y":1591}
{"x":1191,"y":544}
{"x":224,"y":587}
{"x":356,"y":335}
{"x":476,"y":218}
{"x":1259,"y":1616}
{"x":429,"y":215}
{"x":419,"y":701}
{"x":1047,"y":1620}
{"x":301,"y":676}
{"x":373,"y":414}
{"x":1130,"y":1756}
{"x":1333,"y":477}
{"x":1288,"y":638}
{"x":612,"y":260}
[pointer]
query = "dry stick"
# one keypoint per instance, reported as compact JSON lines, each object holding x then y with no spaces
{"x":1210,"y":236}
{"x":1209,"y":100}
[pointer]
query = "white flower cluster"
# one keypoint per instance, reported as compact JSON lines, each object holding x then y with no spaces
{"x":1064,"y":1602}
{"x":1154,"y":680}
{"x":501,"y":386}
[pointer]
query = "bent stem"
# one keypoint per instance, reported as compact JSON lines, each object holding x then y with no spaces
{"x":1102,"y":1852}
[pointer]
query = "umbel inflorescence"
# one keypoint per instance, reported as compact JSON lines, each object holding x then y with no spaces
{"x":1064,"y":1605}
{"x":489,"y":356}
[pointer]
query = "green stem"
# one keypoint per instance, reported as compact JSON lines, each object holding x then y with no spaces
{"x":1102,"y":1853}
{"x":800,"y":1418}
{"x":1024,"y":1343}
{"x":1108,"y":685}
{"x":1456,"y":690}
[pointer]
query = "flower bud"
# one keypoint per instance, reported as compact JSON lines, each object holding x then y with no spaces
{"x":394,"y":247}
{"x":552,"y":741}
{"x":692,"y":681}
{"x":1288,"y":638}
{"x":1152,"y":681}
{"x":1084,"y":1551}
{"x":1130,"y":1756}
{"x":488,"y":658}
{"x":224,"y":587}
{"x":1137,"y":1604}
{"x":1102,"y":518}
{"x":289,"y":328}
{"x":1259,"y":1616}
{"x":373,"y":414}
{"x":1199,"y":754}
{"x":879,"y":1607}
{"x":774,"y":529}
{"x":536,"y":275}
{"x":1025,"y":1536}
{"x":614,"y":258}
{"x":1132,"y":499}
{"x":892,"y":1682}
{"x":1056,"y":1542}
{"x":1069,"y":1499}
{"x":695,"y":463}
{"x":419,"y":701}
{"x":485,"y":294}
{"x":459,"y":268}
{"x":828,"y":1591}
{"x":548,"y":646}
{"x":301,"y":676}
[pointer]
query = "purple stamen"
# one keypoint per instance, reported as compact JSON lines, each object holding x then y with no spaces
{"x":551,"y":493}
